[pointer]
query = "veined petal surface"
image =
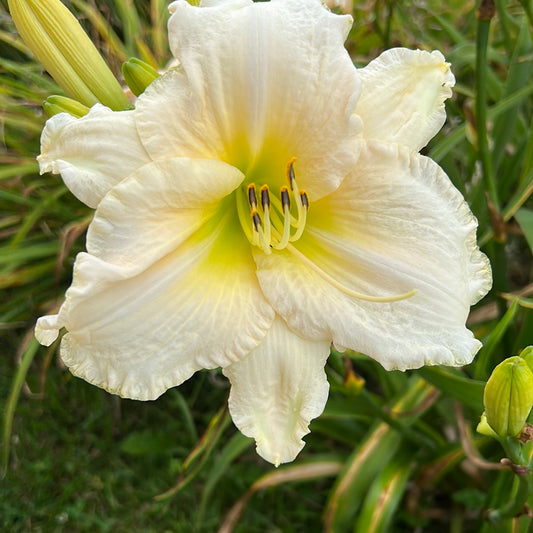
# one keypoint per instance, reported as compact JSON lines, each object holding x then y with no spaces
{"x":277,"y":390}
{"x":396,"y":224}
{"x":158,"y":207}
{"x":252,"y":90}
{"x":402,"y":96}
{"x":92,"y":153}
{"x":190,"y":300}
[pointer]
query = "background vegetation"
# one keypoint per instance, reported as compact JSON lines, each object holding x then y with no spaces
{"x":393,"y":451}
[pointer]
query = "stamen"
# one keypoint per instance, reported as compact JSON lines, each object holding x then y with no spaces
{"x":243,"y":215}
{"x":265,"y":204}
{"x":279,"y":209}
{"x":256,"y":219}
{"x":290,"y":173}
{"x":304,"y":199}
{"x":344,"y":289}
{"x":274,"y":229}
{"x":259,"y":234}
{"x":302,"y":212}
{"x":286,"y":205}
{"x":252,"y":198}
{"x":285,"y":199}
{"x":303,"y":206}
{"x":272,"y":221}
{"x":265,"y":196}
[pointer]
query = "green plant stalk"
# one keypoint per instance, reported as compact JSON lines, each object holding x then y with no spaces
{"x":158,"y":17}
{"x":514,"y":507}
{"x":484,"y":359}
{"x":518,"y":75}
{"x":526,"y":4}
{"x":482,"y":39}
{"x":12,"y":401}
{"x":523,"y":484}
{"x":407,"y":432}
{"x":499,"y":261}
{"x":384,"y":494}
{"x":376,"y":449}
{"x":388,"y":23}
{"x":503,"y":18}
{"x":499,"y":283}
{"x":194,"y":463}
{"x":528,"y":159}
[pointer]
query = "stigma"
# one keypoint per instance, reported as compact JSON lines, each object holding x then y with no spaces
{"x":273,"y":222}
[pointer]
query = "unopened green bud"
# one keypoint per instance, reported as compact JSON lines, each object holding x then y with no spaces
{"x":61,"y":104}
{"x":138,"y":75}
{"x":58,"y":41}
{"x":508,"y":396}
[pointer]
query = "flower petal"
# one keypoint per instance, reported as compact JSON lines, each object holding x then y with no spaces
{"x":277,"y":390}
{"x":402,"y":97}
{"x":153,"y":211}
{"x":396,"y":224}
{"x":91,"y":153}
{"x":190,"y":301}
{"x":258,"y":98}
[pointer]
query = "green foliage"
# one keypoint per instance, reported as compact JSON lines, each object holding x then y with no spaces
{"x":398,"y":454}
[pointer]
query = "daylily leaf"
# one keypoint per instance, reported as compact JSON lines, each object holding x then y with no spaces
{"x":525,"y":218}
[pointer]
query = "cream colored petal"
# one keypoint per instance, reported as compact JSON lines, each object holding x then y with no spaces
{"x":92,"y":153}
{"x":395,"y":225}
{"x":259,"y":83}
{"x":150,"y":213}
{"x":402,"y":96}
{"x":47,"y":329}
{"x":277,"y":390}
{"x":190,"y":301}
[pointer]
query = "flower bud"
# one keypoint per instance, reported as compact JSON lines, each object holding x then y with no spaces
{"x":61,"y":104}
{"x":58,"y":41}
{"x":138,"y":75}
{"x":508,"y":396}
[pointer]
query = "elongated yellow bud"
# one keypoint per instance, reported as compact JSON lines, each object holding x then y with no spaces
{"x":61,"y":104}
{"x":138,"y":75}
{"x":508,"y":396}
{"x":58,"y":41}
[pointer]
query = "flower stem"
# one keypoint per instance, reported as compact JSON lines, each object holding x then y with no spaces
{"x":523,"y":484}
{"x":514,"y":507}
{"x":485,"y":14}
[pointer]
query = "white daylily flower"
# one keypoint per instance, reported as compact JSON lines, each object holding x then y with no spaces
{"x":204,"y":252}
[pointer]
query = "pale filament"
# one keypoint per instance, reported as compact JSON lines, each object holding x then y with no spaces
{"x":272,"y":224}
{"x":271,"y":217}
{"x":346,"y":290}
